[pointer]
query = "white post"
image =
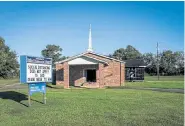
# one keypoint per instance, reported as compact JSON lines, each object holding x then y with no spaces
{"x":90,"y":41}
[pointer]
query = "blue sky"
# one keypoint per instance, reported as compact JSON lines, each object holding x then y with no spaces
{"x":28,"y":27}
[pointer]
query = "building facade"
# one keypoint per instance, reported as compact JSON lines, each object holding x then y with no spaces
{"x":90,"y":69}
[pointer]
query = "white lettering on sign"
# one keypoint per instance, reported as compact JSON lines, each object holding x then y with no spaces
{"x":39,"y":72}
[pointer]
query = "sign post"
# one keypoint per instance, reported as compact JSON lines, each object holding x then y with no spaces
{"x":35,"y":72}
{"x":29,"y":97}
{"x":44,"y":98}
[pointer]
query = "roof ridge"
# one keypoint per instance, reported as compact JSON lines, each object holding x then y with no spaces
{"x":81,"y":54}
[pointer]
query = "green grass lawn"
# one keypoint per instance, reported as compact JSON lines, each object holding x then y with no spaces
{"x":8,"y":81}
{"x":93,"y":107}
{"x":169,"y":82}
{"x":156,"y":84}
{"x":164,"y":78}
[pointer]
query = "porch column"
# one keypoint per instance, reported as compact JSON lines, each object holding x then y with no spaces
{"x":101,"y":76}
{"x":66,"y":75}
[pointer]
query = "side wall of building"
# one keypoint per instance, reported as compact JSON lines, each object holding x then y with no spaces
{"x":62,"y":74}
{"x":123,"y":74}
{"x":112,"y":74}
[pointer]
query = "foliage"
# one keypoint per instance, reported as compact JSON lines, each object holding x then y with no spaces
{"x":8,"y":65}
{"x":54,"y":52}
{"x":125,"y":54}
{"x":150,"y":61}
{"x":170,"y":63}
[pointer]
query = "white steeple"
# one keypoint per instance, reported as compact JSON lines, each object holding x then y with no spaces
{"x":90,"y":41}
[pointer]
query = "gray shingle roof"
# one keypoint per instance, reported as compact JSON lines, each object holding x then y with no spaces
{"x":135,"y":63}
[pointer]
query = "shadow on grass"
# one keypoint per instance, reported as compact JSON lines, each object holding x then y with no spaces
{"x":16,"y":96}
{"x":54,"y":86}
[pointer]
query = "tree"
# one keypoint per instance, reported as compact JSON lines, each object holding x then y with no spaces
{"x":8,"y":65}
{"x":120,"y":54}
{"x":132,"y":53}
{"x":170,"y":63}
{"x":150,"y":61}
{"x":125,"y":54}
{"x":179,"y":58}
{"x":54,"y":52}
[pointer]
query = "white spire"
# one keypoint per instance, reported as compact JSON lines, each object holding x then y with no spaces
{"x":90,"y":41}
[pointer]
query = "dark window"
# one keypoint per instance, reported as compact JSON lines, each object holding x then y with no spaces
{"x":91,"y":75}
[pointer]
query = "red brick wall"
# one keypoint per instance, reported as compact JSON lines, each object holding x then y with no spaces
{"x":77,"y":77}
{"x":66,"y":75}
{"x":62,"y":74}
{"x":112,"y":74}
{"x":59,"y":74}
{"x":123,"y":74}
{"x":101,"y":75}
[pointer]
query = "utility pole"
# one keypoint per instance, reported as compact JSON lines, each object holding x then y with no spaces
{"x":157,"y":61}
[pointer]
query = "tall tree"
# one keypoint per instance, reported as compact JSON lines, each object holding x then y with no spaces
{"x":179,"y":58}
{"x":125,"y":54}
{"x":132,"y":53}
{"x":54,"y":52}
{"x":150,"y":61}
{"x":170,"y":63}
{"x":120,"y":54}
{"x":8,"y":65}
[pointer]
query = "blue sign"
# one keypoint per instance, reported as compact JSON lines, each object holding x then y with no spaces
{"x":37,"y":87}
{"x":35,"y":69}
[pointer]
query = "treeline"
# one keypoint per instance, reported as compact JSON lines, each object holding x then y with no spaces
{"x":8,"y":61}
{"x":170,"y":63}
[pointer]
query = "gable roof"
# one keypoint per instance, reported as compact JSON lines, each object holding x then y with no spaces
{"x":85,"y":60}
{"x":135,"y":63}
{"x":83,"y":54}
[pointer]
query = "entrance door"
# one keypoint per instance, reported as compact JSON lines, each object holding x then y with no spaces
{"x":91,"y":75}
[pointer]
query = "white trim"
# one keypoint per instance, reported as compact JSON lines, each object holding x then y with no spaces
{"x":142,"y":66}
{"x":83,"y":54}
{"x":96,"y":59}
{"x":83,"y":60}
{"x":107,"y":57}
{"x":70,"y":58}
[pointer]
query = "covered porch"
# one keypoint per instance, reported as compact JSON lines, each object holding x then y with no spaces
{"x":83,"y":71}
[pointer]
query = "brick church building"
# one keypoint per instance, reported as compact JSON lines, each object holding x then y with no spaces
{"x":90,"y":69}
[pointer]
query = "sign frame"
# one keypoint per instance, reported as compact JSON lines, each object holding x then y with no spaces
{"x":38,"y":86}
{"x":23,"y":68}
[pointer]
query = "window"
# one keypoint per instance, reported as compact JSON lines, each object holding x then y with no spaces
{"x":91,"y":75}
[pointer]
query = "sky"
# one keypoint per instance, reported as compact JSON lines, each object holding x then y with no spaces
{"x":28,"y":27}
